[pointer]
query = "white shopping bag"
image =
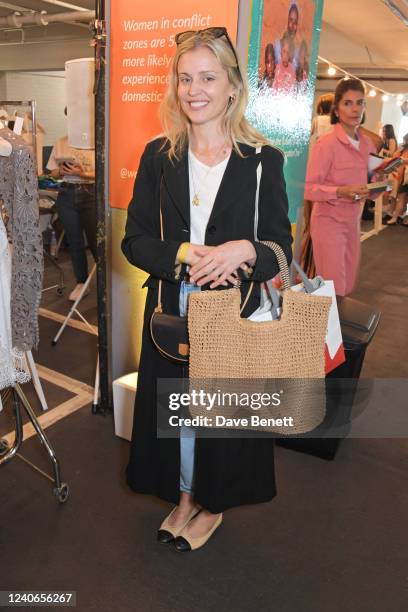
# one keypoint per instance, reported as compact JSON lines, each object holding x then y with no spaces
{"x":334,"y":349}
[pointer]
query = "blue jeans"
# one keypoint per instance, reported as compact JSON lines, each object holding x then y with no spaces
{"x":76,"y":209}
{"x":187,"y":434}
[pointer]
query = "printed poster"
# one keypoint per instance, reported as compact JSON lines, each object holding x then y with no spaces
{"x":282,"y":63}
{"x":142,"y":46}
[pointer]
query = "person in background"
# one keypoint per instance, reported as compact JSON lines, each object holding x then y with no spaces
{"x":389,"y":141}
{"x":321,"y":123}
{"x":336,"y":182}
{"x":291,"y":32}
{"x":389,"y":148}
{"x":76,"y":205}
{"x":285,"y":77}
{"x":401,"y":177}
{"x":302,"y":70}
{"x":270,"y":67}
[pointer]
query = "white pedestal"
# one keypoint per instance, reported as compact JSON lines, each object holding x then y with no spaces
{"x":124,"y":391}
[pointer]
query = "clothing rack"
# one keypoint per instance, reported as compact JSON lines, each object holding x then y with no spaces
{"x":33,"y":106}
{"x":15,"y":396}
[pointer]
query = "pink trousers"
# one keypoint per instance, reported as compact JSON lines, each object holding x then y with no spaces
{"x":335,"y":234}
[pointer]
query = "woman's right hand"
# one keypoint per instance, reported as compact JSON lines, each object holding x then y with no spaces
{"x":350,"y":192}
{"x":195,"y":252}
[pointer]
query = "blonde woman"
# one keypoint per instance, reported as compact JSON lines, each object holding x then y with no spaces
{"x":203,"y":171}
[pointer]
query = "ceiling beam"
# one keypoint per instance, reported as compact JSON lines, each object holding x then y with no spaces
{"x":44,"y":18}
{"x":74,"y":7}
{"x":398,"y":11}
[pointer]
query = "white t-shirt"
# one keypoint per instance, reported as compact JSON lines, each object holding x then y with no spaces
{"x":86,"y":157}
{"x":204,"y":182}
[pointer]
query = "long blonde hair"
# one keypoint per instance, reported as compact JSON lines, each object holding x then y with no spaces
{"x":174,"y":121}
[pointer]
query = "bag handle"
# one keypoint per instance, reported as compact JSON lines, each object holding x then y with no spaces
{"x":309,"y":285}
{"x":159,"y":307}
{"x":278,"y":251}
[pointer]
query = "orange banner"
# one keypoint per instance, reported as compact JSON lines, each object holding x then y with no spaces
{"x":141,"y":51}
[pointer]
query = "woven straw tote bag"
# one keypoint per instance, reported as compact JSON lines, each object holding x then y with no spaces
{"x":225,"y":346}
{"x":251,"y":356}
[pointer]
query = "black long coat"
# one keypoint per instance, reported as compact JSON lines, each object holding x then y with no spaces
{"x":228,"y":472}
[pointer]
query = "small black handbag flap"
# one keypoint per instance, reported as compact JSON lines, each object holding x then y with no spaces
{"x":170,"y":336}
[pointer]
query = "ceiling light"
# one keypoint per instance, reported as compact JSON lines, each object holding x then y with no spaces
{"x":331,"y":71}
{"x":372,"y":93}
{"x":346,"y":77}
{"x":384,"y":97}
{"x":400,"y":97}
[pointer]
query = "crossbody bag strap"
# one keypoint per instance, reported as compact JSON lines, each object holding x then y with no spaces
{"x":159,"y":307}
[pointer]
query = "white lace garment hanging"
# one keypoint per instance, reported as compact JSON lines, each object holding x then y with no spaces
{"x":13,"y":367}
{"x":5,"y":147}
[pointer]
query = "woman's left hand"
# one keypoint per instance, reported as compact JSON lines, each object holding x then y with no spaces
{"x":221,"y":262}
{"x":74,"y":168}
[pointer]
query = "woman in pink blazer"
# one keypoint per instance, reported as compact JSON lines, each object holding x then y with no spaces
{"x":336,"y":182}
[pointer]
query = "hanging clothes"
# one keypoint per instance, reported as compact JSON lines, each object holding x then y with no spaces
{"x":19,"y":196}
{"x":13,"y":367}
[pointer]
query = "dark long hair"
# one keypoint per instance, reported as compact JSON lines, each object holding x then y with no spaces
{"x":324,"y":104}
{"x":389,"y":132}
{"x":343,"y":87}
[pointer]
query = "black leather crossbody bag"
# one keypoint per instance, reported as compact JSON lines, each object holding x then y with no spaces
{"x":169,"y":332}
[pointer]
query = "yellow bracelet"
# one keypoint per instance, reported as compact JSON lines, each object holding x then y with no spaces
{"x":182,"y":252}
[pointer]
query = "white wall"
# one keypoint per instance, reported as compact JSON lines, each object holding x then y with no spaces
{"x":44,"y":56}
{"x":48,"y":90}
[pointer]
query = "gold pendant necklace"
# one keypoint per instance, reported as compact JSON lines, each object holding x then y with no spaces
{"x":196,"y":198}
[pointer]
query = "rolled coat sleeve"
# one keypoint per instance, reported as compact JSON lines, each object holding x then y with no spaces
{"x":142,"y":244}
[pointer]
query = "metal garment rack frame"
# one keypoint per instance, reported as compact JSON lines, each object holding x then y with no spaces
{"x":15,"y":394}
